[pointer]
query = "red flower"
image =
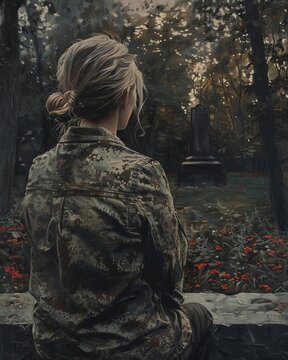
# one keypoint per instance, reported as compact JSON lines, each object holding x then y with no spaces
{"x":270,"y":252}
{"x":218,"y":262}
{"x":13,"y":272}
{"x":214,"y":271}
{"x":265,"y":287}
{"x":212,"y":280}
{"x":268,"y":236}
{"x":224,"y":286}
{"x":218,"y":247}
{"x":247,"y":249}
{"x":200,"y":266}
{"x":197,"y":286}
{"x":245,"y":277}
{"x":226,"y":275}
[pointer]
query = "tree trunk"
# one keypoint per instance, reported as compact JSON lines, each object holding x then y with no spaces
{"x":9,"y":99}
{"x":38,"y":44}
{"x":266,"y":117}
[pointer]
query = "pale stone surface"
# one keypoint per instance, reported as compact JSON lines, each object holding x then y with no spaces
{"x":244,"y":308}
{"x":16,"y":308}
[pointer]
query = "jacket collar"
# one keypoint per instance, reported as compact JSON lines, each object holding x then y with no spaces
{"x":81,"y":134}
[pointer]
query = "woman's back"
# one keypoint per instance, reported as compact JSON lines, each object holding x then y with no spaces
{"x":107,"y":252}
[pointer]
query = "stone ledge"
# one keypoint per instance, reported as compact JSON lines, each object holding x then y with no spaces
{"x":16,"y":309}
{"x":248,"y":326}
{"x":244,"y":308}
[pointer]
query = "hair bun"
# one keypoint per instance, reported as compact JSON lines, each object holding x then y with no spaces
{"x":70,"y":96}
{"x":61,"y":104}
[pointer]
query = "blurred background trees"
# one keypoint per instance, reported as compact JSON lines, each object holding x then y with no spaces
{"x":190,"y":52}
{"x":9,"y":99}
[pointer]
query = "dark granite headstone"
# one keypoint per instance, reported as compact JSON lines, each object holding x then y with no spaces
{"x":200,"y":136}
{"x":200,"y":167}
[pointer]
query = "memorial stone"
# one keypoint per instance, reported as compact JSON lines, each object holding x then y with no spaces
{"x":200,"y":167}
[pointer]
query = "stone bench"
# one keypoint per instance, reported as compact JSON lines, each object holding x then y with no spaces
{"x":248,"y":326}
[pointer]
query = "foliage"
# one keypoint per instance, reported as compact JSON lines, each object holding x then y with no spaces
{"x":246,"y":254}
{"x":189,"y":52}
{"x":14,"y":254}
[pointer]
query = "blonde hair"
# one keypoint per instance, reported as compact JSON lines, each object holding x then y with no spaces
{"x":93,"y":75}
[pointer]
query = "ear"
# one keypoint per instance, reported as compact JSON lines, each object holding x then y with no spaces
{"x":125,"y":98}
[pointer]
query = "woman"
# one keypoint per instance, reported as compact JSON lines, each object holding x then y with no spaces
{"x":107,"y":248}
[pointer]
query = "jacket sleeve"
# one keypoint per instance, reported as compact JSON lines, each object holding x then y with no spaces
{"x":165,"y":240}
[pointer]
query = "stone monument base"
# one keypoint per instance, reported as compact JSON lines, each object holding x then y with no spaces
{"x":201,"y":171}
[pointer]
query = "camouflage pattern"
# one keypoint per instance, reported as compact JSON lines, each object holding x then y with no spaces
{"x":107,"y":252}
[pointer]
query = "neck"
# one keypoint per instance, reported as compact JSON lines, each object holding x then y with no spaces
{"x":110,"y":122}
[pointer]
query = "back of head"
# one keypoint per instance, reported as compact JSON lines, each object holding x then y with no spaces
{"x":93,"y":75}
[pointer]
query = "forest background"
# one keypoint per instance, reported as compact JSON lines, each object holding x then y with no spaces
{"x":230,"y":55}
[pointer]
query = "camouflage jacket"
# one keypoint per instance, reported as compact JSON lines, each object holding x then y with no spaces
{"x":107,"y":252}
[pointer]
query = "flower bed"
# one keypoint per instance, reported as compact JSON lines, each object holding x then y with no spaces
{"x":247,"y":256}
{"x":14,"y":258}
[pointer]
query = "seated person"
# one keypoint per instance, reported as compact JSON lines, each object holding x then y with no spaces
{"x":107,"y":247}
